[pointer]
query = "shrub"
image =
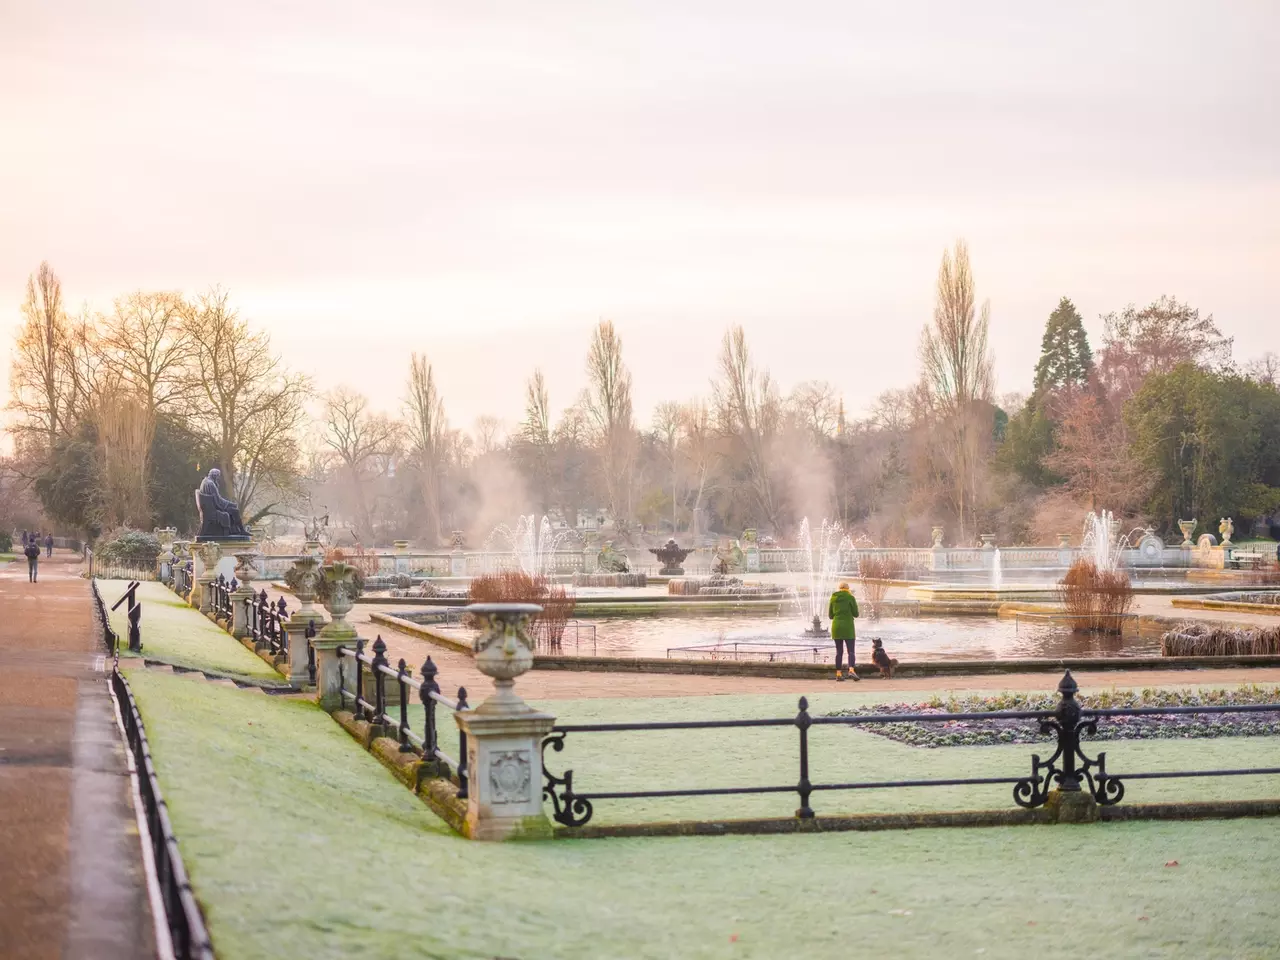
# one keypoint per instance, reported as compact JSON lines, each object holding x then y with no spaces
{"x":1095,"y":599}
{"x":132,"y":547}
{"x":6,"y":542}
{"x":875,"y":573}
{"x":516,"y":586}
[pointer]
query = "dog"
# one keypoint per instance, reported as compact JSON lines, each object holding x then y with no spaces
{"x":882,"y":659}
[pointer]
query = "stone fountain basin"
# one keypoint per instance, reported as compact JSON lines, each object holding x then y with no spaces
{"x":943,"y":592}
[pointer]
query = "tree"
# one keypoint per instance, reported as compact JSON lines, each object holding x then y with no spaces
{"x":147,"y":341}
{"x":1065,"y":356}
{"x":38,"y":379}
{"x":958,"y":373}
{"x":1211,"y":442}
{"x":608,"y":406}
{"x":1265,"y":370}
{"x":668,"y":419}
{"x":748,"y":414}
{"x":1156,"y":339}
{"x":363,"y":442}
{"x":249,"y":406}
{"x":1092,"y":454}
{"x":429,"y":440}
{"x":816,"y":408}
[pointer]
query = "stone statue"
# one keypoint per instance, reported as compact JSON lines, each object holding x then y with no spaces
{"x":219,"y":517}
{"x":611,"y":559}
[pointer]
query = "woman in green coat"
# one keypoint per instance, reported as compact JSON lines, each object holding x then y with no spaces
{"x":843,"y":610}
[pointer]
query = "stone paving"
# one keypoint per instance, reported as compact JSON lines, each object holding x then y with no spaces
{"x":71,"y":877}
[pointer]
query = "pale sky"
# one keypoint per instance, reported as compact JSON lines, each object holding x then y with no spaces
{"x":483,"y":181}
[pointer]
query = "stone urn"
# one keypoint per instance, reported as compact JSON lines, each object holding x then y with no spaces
{"x":936,"y":533}
{"x":1226,"y":527}
{"x":1187,"y":527}
{"x":245,"y":570}
{"x":339,"y":604}
{"x":307,"y":567}
{"x":503,"y":649}
{"x":672,"y":556}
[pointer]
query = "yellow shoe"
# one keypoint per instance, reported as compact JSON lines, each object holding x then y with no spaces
{"x":839,"y":675}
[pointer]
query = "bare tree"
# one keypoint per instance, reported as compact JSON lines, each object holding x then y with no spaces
{"x":1265,"y":370}
{"x":608,"y":405}
{"x":429,"y":438}
{"x":1155,"y":339}
{"x":700,"y":450}
{"x":816,"y":408}
{"x":958,"y":371}
{"x":148,"y":342}
{"x":668,"y":423}
{"x":488,"y":434}
{"x":245,"y":401}
{"x":38,"y":379}
{"x":748,"y":412}
{"x":363,"y":442}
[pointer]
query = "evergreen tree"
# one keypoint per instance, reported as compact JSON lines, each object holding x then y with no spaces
{"x":1065,"y":357}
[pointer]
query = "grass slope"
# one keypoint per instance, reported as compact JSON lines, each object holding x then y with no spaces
{"x":173,"y":632}
{"x":300,"y":844}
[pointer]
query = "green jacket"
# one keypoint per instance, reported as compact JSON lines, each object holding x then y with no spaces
{"x":842,"y":610}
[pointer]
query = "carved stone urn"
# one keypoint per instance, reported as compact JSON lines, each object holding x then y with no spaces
{"x":1226,"y":527}
{"x":1187,"y":527}
{"x":338,"y":603}
{"x":306,"y":567}
{"x":936,"y":533}
{"x":503,"y":649}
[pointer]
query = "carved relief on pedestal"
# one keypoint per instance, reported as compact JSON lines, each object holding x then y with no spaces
{"x":510,"y":777}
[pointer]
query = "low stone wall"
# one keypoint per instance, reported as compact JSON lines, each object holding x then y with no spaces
{"x":610,"y":580}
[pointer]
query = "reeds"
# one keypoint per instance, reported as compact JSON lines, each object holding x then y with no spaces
{"x":875,"y":574}
{"x":1095,"y":599}
{"x":1199,"y":639}
{"x":516,"y":586}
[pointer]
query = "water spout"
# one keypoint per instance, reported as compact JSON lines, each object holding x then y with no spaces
{"x":997,"y":572}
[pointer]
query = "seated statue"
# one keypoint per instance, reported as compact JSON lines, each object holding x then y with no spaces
{"x":219,"y":517}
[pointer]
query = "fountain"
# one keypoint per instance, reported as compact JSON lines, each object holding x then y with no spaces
{"x":532,"y":545}
{"x":821,"y":574}
{"x":672,"y":555}
{"x":997,"y":573}
{"x":1100,"y":542}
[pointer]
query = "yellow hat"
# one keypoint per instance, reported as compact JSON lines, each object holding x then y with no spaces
{"x":844,"y":585}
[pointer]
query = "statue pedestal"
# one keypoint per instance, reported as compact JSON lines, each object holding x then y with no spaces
{"x":226,"y":562}
{"x":457,"y":564}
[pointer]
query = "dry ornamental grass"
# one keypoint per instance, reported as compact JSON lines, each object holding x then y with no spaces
{"x":1095,"y":599}
{"x":1198,"y":639}
{"x":875,"y":573}
{"x":516,"y":586}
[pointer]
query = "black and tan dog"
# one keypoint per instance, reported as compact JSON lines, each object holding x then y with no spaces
{"x":882,"y":659}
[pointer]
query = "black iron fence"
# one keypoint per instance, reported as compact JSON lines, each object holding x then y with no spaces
{"x":1069,"y":767}
{"x":109,"y":638}
{"x":373,"y":683}
{"x":181,"y":581}
{"x":220,"y":590}
{"x":185,"y":923}
{"x":266,"y":622}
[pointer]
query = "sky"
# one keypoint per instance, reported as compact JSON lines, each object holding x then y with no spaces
{"x":482,"y":182}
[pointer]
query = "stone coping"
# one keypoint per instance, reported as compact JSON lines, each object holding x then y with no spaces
{"x":429,"y":632}
{"x":1236,"y":606}
{"x":1222,"y":809}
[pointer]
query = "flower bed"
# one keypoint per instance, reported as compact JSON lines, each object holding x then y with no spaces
{"x":979,"y":733}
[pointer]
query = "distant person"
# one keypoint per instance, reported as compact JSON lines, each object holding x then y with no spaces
{"x":32,"y":550}
{"x":25,"y":538}
{"x":843,"y":610}
{"x":48,"y":545}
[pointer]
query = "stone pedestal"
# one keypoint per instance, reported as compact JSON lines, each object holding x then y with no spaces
{"x":402,"y":556}
{"x":337,"y":632}
{"x":296,"y":628}
{"x":751,"y":554}
{"x":457,"y":564}
{"x":504,"y":764}
{"x":239,"y":611}
{"x":201,"y":595}
{"x":504,"y":734}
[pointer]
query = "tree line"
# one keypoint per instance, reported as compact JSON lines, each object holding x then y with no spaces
{"x":115,"y":415}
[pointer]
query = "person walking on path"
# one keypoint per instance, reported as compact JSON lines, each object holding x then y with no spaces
{"x":843,"y":610}
{"x":48,"y":544}
{"x":32,"y":550}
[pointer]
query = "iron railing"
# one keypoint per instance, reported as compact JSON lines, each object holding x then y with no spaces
{"x":1069,"y":767}
{"x":428,"y":690}
{"x":110,"y":639}
{"x":181,"y":583}
{"x":186,"y":925}
{"x":220,"y":590}
{"x":266,"y":622}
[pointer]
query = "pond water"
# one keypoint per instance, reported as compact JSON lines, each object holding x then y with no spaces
{"x":734,"y":636}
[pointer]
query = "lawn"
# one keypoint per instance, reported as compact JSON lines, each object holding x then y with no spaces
{"x":173,"y":632}
{"x":631,"y":761}
{"x":300,"y":844}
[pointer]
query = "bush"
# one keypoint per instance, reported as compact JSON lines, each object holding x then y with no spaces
{"x":1095,"y":599}
{"x":6,"y":542}
{"x":875,"y":574}
{"x":515,"y":586}
{"x":130,"y":547}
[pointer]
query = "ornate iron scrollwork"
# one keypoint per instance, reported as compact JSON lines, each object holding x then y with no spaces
{"x":1033,"y":791}
{"x":568,"y":808}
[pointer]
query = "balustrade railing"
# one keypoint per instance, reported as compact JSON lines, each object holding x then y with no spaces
{"x":378,"y":672}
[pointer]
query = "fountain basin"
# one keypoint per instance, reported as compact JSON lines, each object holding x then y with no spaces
{"x":985,"y":593}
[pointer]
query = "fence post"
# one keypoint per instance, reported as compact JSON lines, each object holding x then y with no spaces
{"x":402,"y":730}
{"x":463,"y":763}
{"x":804,"y":787}
{"x":430,"y":738}
{"x":503,"y":750}
{"x":379,"y":679}
{"x":1072,"y":805}
{"x":357,"y":709}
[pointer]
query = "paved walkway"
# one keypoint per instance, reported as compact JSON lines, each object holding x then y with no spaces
{"x":71,"y":879}
{"x":458,"y":669}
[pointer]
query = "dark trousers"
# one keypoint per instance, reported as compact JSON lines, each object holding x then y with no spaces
{"x":841,"y":647}
{"x":48,"y":551}
{"x":31,"y":568}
